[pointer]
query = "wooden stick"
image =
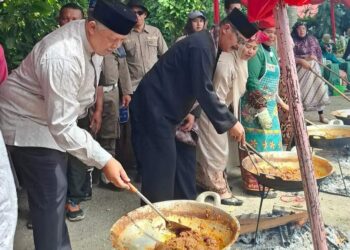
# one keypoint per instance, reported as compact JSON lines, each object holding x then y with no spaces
{"x":330,"y":70}
{"x":329,"y":84}
{"x":249,"y":225}
{"x":311,"y":123}
{"x":290,"y":76}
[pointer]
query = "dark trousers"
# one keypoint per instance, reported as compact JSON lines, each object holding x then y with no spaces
{"x":44,"y":175}
{"x":185,"y":175}
{"x":79,"y":177}
{"x":168,"y":167}
{"x":79,"y":180}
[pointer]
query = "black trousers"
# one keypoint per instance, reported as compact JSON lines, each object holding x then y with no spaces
{"x":79,"y":175}
{"x":44,"y":175}
{"x":79,"y":180}
{"x":168,"y":167}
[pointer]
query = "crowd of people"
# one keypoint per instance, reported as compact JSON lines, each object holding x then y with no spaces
{"x":105,"y":90}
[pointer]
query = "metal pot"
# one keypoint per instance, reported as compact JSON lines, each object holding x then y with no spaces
{"x":142,"y":228}
{"x":342,"y":114}
{"x":284,"y":160}
{"x":329,"y":137}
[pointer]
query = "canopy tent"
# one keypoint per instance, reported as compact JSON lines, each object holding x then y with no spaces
{"x":258,"y":10}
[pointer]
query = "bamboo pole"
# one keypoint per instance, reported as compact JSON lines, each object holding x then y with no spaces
{"x":301,"y":138}
{"x":332,"y":71}
{"x":330,"y":84}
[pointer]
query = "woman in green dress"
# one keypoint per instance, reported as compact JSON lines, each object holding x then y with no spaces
{"x":259,"y":104}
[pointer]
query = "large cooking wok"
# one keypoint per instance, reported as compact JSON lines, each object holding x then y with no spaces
{"x":143,"y":228}
{"x":342,"y":114}
{"x":329,"y":137}
{"x":284,"y":161}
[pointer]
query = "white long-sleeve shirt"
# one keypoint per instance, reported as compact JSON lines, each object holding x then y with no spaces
{"x":8,"y":201}
{"x":55,"y":84}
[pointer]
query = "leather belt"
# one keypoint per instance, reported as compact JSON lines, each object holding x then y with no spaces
{"x":109,"y":88}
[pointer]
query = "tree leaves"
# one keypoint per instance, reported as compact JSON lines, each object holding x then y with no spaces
{"x":24,"y":23}
{"x":170,"y":16}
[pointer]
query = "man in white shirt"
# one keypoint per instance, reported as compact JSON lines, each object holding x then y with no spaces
{"x":40,"y":104}
{"x":8,"y":200}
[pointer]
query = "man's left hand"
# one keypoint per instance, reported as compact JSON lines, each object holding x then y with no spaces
{"x":188,"y":123}
{"x":95,"y":122}
{"x":126,"y":99}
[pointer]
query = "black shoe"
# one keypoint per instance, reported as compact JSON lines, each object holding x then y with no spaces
{"x":233,"y":201}
{"x":74,"y":215}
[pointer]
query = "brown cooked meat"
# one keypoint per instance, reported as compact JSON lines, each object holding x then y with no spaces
{"x":189,"y":240}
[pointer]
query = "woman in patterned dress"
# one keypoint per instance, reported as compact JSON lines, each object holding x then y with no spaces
{"x":259,"y":104}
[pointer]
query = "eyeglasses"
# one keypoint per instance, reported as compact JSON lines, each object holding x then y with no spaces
{"x":240,"y":39}
{"x":139,"y":12}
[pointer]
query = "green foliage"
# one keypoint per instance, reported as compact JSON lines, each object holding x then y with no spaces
{"x":170,"y":16}
{"x":321,"y":23}
{"x":345,"y":21}
{"x":24,"y":23}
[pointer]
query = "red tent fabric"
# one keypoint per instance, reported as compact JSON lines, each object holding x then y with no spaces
{"x":259,"y":10}
{"x":346,"y":3}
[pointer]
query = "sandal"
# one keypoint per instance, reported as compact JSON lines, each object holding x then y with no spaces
{"x":232,"y":201}
{"x":323,"y":119}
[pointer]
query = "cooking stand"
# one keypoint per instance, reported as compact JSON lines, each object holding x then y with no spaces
{"x":263,"y":195}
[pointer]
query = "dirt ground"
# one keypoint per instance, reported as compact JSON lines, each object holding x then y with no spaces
{"x":107,"y":206}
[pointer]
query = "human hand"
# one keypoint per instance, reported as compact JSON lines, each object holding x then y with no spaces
{"x":95,"y":122}
{"x":304,"y":64}
{"x":126,"y":99}
{"x":116,"y":174}
{"x":264,"y":119}
{"x":188,"y":123}
{"x":237,"y":133}
{"x":285,"y":107}
{"x":312,"y":57}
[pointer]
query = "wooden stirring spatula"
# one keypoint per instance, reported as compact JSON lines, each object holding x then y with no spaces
{"x":172,"y":226}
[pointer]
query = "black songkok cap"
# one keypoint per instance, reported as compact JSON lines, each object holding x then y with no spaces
{"x":240,"y":21}
{"x":115,"y":16}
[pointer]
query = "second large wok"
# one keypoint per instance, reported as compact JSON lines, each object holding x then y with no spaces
{"x":330,"y":137}
{"x":284,"y":161}
{"x":342,"y":114}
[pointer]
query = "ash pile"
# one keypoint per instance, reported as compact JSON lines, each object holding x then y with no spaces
{"x":335,"y":184}
{"x":339,"y":182}
{"x":291,"y":236}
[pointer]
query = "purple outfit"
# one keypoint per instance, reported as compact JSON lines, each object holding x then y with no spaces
{"x":307,"y":46}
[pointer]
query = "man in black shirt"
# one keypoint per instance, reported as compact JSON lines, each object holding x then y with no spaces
{"x":166,"y":95}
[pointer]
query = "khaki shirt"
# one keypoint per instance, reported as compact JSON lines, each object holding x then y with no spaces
{"x":142,"y":52}
{"x":114,"y":70}
{"x":55,"y":85}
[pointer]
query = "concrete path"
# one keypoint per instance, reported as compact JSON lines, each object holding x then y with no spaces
{"x":107,"y":206}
